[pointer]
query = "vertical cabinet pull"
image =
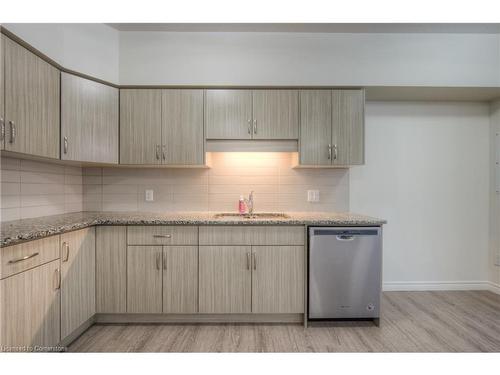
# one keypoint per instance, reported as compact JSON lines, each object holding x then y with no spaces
{"x":2,"y":129}
{"x":249,"y":126}
{"x":65,"y":145}
{"x":329,"y":151}
{"x":254,"y":261}
{"x":57,"y":279}
{"x":254,"y":126}
{"x":12,"y":138}
{"x":164,"y":261}
{"x":158,"y":256}
{"x":334,"y":152}
{"x":163,"y":154}
{"x":248,"y":261}
{"x":65,"y":257}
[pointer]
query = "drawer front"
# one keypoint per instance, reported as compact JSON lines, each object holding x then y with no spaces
{"x":252,"y":235}
{"x":162,"y":235}
{"x":18,"y":258}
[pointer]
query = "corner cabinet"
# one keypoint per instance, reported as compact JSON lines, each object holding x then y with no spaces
{"x":331,"y":127}
{"x":32,"y":103}
{"x":251,"y":114}
{"x":89,"y":120}
{"x":161,"y":127}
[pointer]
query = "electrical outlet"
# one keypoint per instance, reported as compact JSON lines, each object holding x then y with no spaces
{"x":313,"y":195}
{"x":149,"y":196}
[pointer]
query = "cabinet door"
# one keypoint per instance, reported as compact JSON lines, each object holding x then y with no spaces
{"x":140,"y":126}
{"x":180,"y":279}
{"x":2,"y":91}
{"x":275,"y":114}
{"x":111,"y":269}
{"x":30,"y":307}
{"x":278,"y":279}
{"x":31,"y":103}
{"x":182,"y":127}
{"x":225,"y":279}
{"x":348,"y":127}
{"x":89,"y":120}
{"x":228,"y":114}
{"x":315,"y":127}
{"x":144,"y":279}
{"x":77,"y":279}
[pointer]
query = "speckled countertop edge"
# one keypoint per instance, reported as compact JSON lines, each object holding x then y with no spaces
{"x":17,"y":231}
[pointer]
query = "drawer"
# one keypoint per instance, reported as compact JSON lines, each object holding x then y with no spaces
{"x":162,"y":235}
{"x":18,"y":258}
{"x":251,"y":235}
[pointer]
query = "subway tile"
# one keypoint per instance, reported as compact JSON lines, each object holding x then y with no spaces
{"x":10,"y":201}
{"x":36,"y":166}
{"x":41,"y":178}
{"x":31,"y":189}
{"x":75,"y":171}
{"x":119,"y":198}
{"x":73,"y":207}
{"x":10,"y":164}
{"x":92,"y":190}
{"x":91,"y":171}
{"x":8,"y":214}
{"x":92,"y":180}
{"x":73,"y":198}
{"x":109,"y":206}
{"x":242,"y":189}
{"x":70,"y":179}
{"x":10,"y":188}
{"x":42,"y":200}
{"x":119,"y":189}
{"x":92,"y":206}
{"x":10,"y":175}
{"x":243,"y":180}
{"x":73,"y":189}
{"x":30,"y":212}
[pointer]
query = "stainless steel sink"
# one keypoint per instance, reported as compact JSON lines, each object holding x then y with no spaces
{"x":255,"y":215}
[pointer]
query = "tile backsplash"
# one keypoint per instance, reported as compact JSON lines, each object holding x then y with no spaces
{"x":276,"y":185}
{"x":31,"y":189}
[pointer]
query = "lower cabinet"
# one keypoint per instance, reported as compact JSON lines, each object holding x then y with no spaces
{"x":77,"y":279}
{"x":144,"y":279}
{"x":30,"y":308}
{"x":225,"y":279}
{"x":256,"y":279}
{"x":162,"y":279}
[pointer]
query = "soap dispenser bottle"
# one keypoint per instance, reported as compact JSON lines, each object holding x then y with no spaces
{"x":241,"y":205}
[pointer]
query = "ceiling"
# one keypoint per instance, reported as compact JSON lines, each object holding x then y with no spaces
{"x":459,"y":28}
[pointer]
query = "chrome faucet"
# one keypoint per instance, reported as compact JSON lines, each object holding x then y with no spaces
{"x":249,"y":203}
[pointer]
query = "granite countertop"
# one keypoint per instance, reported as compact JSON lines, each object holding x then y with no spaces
{"x":12,"y":232}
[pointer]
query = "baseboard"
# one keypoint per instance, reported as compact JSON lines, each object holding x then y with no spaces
{"x":199,"y":318}
{"x":495,"y":288}
{"x":392,"y":286}
{"x":77,"y":332}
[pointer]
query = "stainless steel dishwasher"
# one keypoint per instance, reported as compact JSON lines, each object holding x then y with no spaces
{"x":345,"y":266}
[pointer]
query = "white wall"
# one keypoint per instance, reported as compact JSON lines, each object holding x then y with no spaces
{"x":309,"y":59}
{"x":427,"y":173}
{"x":494,"y":260}
{"x":86,"y":48}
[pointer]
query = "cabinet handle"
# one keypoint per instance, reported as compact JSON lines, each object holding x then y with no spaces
{"x":23,"y":258}
{"x":164,"y":261}
{"x":158,"y":261}
{"x":2,"y":129}
{"x":329,"y":152}
{"x":163,"y":154}
{"x":66,"y":251}
{"x":249,"y":126}
{"x":12,"y":138}
{"x":334,"y":152}
{"x":162,"y":235}
{"x":248,"y":261}
{"x":254,"y":126}
{"x":157,"y":152}
{"x":254,"y":261}
{"x":57,"y":279}
{"x":65,"y":145}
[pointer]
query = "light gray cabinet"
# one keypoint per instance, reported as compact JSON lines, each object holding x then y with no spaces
{"x":77,"y":279}
{"x":331,"y":127}
{"x":228,"y":114}
{"x":182,"y":127}
{"x":32,"y":103}
{"x":275,"y":114}
{"x":2,"y":92}
{"x":251,"y":114}
{"x":89,"y":120}
{"x":140,"y":126}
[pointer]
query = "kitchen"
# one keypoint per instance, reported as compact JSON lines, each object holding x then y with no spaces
{"x":261,"y":181}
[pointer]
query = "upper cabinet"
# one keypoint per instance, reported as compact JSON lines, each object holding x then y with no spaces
{"x":331,"y":127}
{"x":140,"y":126}
{"x":31,"y":103}
{"x":228,"y":114}
{"x":89,"y":120}
{"x":275,"y":114}
{"x":182,"y":127}
{"x":252,"y":114}
{"x":2,"y":91}
{"x":161,"y":127}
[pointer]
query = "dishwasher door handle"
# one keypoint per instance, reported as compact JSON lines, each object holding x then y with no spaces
{"x":345,"y":238}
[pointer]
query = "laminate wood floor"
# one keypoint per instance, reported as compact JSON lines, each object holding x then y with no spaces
{"x":451,"y":321}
